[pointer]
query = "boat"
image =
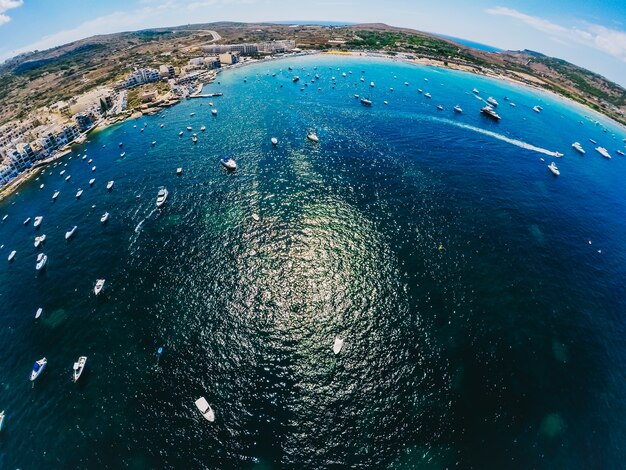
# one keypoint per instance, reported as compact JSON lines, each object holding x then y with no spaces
{"x":161,"y":197}
{"x":40,"y":240}
{"x":512,"y":104}
{"x":312,"y":136}
{"x":122,"y":155}
{"x":70,"y":232}
{"x":419,"y":90}
{"x":274,"y":141}
{"x":89,"y":161}
{"x":343,"y":74}
{"x":619,"y":152}
{"x":42,"y":259}
{"x":62,"y":172}
{"x":205,"y":409}
{"x":84,"y":157}
{"x":79,"y":193}
{"x":203,"y":128}
{"x":192,"y":114}
{"x":537,"y":109}
{"x":492,"y":101}
{"x":214,"y":112}
{"x":189,"y":128}
{"x":67,"y":178}
{"x":295,"y":79}
{"x":27,"y":221}
{"x":593,"y":141}
{"x":92,"y":181}
{"x":366,"y":102}
{"x":180,"y":133}
{"x":194,"y":138}
{"x":93,"y":168}
{"x":338,"y":345}
{"x":153,"y":143}
{"x":38,"y":368}
{"x":104,"y":217}
{"x":37,"y":221}
{"x":99,"y":286}
{"x":356,"y":97}
{"x":427,"y":95}
{"x":475,"y":91}
{"x":12,"y":255}
{"x":439,"y":107}
{"x":457,"y":109}
{"x":602,"y":151}
{"x":489,"y":111}
{"x":406,"y":83}
{"x":385,"y":102}
{"x":41,"y":186}
{"x":228,"y":163}
{"x":179,"y":171}
{"x":578,"y":147}
{"x":1,"y":419}
{"x":38,"y":312}
{"x":555,"y":171}
{"x":78,"y":368}
{"x":372,"y":84}
{"x":110,"y":185}
{"x":6,"y":216}
{"x":55,"y":195}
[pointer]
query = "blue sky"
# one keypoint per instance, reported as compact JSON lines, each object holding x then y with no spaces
{"x":590,"y":34}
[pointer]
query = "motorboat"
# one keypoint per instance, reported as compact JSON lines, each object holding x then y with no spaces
{"x":366,"y":102}
{"x":274,"y":141}
{"x":439,"y":107}
{"x":189,"y":128}
{"x":99,"y":286}
{"x":62,"y":172}
{"x":37,"y":221}
{"x":419,"y":90}
{"x":406,"y":83}
{"x":489,"y":111}
{"x":194,"y":138}
{"x":203,"y":128}
{"x":192,"y":114}
{"x":161,"y":197}
{"x":84,"y":157}
{"x":312,"y":136}
{"x":180,"y":133}
{"x":512,"y":104}
{"x":179,"y":171}
{"x":27,"y":221}
{"x":214,"y":112}
{"x":93,"y":168}
{"x":67,"y":178}
{"x":619,"y":152}
{"x":12,"y":255}
{"x":38,"y":312}
{"x":38,"y":368}
{"x":42,"y":259}
{"x":555,"y":171}
{"x":492,"y":101}
{"x":89,"y":162}
{"x":55,"y":195}
{"x":121,"y":144}
{"x":110,"y":185}
{"x":2,"y":416}
{"x":593,"y":141}
{"x":78,"y":368}
{"x":122,"y":155}
{"x":295,"y":79}
{"x":372,"y":84}
{"x":458,"y":109}
{"x":602,"y":151}
{"x":104,"y":217}
{"x":92,"y":181}
{"x":579,"y":148}
{"x":70,"y":232}
{"x":228,"y":163}
{"x":338,"y":345}
{"x":475,"y":91}
{"x":40,"y":240}
{"x":153,"y":143}
{"x":6,"y":216}
{"x":427,"y":95}
{"x":385,"y":102}
{"x":79,"y":193}
{"x":205,"y":409}
{"x":41,"y":186}
{"x":537,"y":109}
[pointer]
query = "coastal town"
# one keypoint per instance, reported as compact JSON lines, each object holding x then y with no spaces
{"x":48,"y":133}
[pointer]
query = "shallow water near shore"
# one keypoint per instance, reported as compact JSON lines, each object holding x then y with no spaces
{"x":481,"y":327}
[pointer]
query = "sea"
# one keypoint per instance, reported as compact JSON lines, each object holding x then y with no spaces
{"x":473,"y":44}
{"x":480,"y":297}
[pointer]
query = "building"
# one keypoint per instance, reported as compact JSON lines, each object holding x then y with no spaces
{"x":212,"y":63}
{"x":229,"y":58}
{"x":83,"y":121}
{"x":277,"y":47}
{"x":148,"y":97}
{"x":141,"y":76}
{"x":243,"y":49}
{"x":167,"y":71}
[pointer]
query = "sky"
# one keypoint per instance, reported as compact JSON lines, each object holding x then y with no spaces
{"x":588,"y":33}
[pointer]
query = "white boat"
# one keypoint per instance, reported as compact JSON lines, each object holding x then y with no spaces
{"x":153,"y":143}
{"x":37,"y":221}
{"x":602,"y":151}
{"x":179,"y":171}
{"x":406,"y":83}
{"x":205,"y":409}
{"x":228,"y":163}
{"x":79,"y":193}
{"x":55,"y":195}
{"x":40,"y":240}
{"x":62,"y":172}
{"x":110,"y":185}
{"x":99,"y":286}
{"x":312,"y":136}
{"x":338,"y":345}
{"x":419,"y":90}
{"x":203,"y":128}
{"x":67,"y":178}
{"x":161,"y":197}
{"x":89,"y":162}
{"x":593,"y":141}
{"x":512,"y":104}
{"x":78,"y":368}
{"x":385,"y":102}
{"x":27,"y":221}
{"x":122,"y":155}
{"x":214,"y":112}
{"x":92,"y":181}
{"x":194,"y":138}
{"x":552,"y":167}
{"x":427,"y":95}
{"x":6,"y":216}
{"x":274,"y":141}
{"x":366,"y":102}
{"x":475,"y":91}
{"x":12,"y":255}
{"x":457,"y":109}
{"x":579,"y":148}
{"x":372,"y":84}
{"x":192,"y":114}
{"x":1,"y":419}
{"x":70,"y":232}
{"x":439,"y":107}
{"x":93,"y":168}
{"x":42,"y":259}
{"x":619,"y":152}
{"x":189,"y":128}
{"x":492,"y":101}
{"x":38,"y":312}
{"x":38,"y":368}
{"x":489,"y":111}
{"x":537,"y":109}
{"x":211,"y":103}
{"x":41,"y":186}
{"x":180,"y":133}
{"x":84,"y":157}
{"x":104,"y":217}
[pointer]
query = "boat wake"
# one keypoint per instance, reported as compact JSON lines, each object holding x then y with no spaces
{"x":495,"y":135}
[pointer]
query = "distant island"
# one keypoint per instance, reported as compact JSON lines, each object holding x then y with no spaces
{"x":51,"y":99}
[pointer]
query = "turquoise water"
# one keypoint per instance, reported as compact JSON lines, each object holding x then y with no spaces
{"x":482,"y":330}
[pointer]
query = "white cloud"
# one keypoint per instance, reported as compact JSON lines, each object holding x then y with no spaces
{"x":6,"y":5}
{"x":608,"y":40}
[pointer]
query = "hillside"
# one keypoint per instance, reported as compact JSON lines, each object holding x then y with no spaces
{"x":36,"y":79}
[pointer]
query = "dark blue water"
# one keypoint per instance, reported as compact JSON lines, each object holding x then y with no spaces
{"x":475,"y":45}
{"x":482,"y":330}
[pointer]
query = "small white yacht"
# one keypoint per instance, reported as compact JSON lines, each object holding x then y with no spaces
{"x":6,"y":216}
{"x":89,"y":162}
{"x":312,"y":136}
{"x":104,"y":217}
{"x":419,"y":90}
{"x":457,"y":109}
{"x":62,"y":172}
{"x":92,"y":181}
{"x":537,"y":109}
{"x":619,"y":152}
{"x":372,"y":84}
{"x":67,"y":178}
{"x":42,"y":259}
{"x":37,"y":221}
{"x":338,"y":345}
{"x":512,"y":104}
{"x":161,"y":197}
{"x":122,"y":155}
{"x":228,"y":163}
{"x":79,"y":193}
{"x":179,"y":171}
{"x":489,"y":111}
{"x":475,"y":91}
{"x":180,"y":133}
{"x":84,"y":157}
{"x":38,"y":368}
{"x":194,"y":138}
{"x":99,"y":286}
{"x":593,"y":141}
{"x":602,"y":151}
{"x":214,"y":112}
{"x":153,"y":143}
{"x":12,"y":255}
{"x":492,"y":101}
{"x":41,"y":186}
{"x":192,"y":114}
{"x":189,"y":128}
{"x":205,"y":409}
{"x":40,"y":240}
{"x":439,"y":107}
{"x":203,"y":128}
{"x":55,"y":195}
{"x":274,"y":141}
{"x":93,"y":168}
{"x":2,"y":416}
{"x":427,"y":95}
{"x":406,"y":83}
{"x":78,"y":368}
{"x":555,"y":171}
{"x":366,"y":102}
{"x":110,"y":185}
{"x":38,"y":312}
{"x":27,"y":221}
{"x":70,"y":232}
{"x":579,"y":148}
